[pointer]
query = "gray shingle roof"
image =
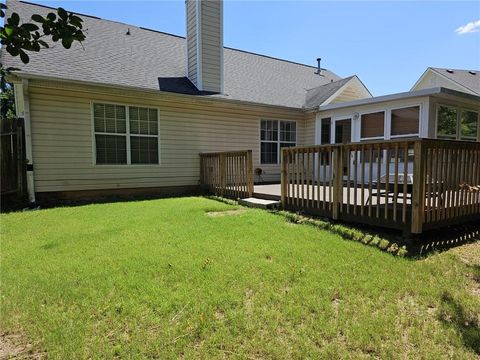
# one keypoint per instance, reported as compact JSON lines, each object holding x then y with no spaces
{"x":318,"y":95}
{"x":468,"y":78}
{"x":139,"y":60}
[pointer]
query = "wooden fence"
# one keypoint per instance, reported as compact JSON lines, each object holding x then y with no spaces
{"x":228,"y":174}
{"x":12,"y":157}
{"x":412,"y":184}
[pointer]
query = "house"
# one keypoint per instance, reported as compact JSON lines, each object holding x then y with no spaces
{"x":462,"y":80}
{"x":130,"y":110}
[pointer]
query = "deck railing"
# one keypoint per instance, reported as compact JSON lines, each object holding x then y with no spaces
{"x":227,"y":174}
{"x":411,"y":184}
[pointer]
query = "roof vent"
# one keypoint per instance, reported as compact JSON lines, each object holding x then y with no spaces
{"x":128,"y":32}
{"x":319,"y":69}
{"x":450,"y":71}
{"x":472,"y":72}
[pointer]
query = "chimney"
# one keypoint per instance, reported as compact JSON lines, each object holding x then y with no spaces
{"x":205,"y":44}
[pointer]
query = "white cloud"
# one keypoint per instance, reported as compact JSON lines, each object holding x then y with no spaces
{"x":472,"y":26}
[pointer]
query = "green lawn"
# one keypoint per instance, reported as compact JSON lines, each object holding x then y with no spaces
{"x":162,"y":279}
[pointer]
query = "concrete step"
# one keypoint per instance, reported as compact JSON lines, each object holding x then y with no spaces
{"x":259,"y":203}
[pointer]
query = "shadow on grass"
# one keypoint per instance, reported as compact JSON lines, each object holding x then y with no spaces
{"x":466,"y":325}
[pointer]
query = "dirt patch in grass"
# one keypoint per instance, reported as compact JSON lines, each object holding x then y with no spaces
{"x":16,"y":347}
{"x":226,"y":213}
{"x":469,"y":253}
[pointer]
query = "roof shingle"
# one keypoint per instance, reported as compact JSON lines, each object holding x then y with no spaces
{"x":109,"y":56}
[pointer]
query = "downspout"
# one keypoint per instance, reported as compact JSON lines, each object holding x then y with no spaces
{"x":28,"y":143}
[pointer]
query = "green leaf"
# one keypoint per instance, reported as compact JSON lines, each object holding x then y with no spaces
{"x":14,"y":19}
{"x":67,"y":42}
{"x":51,"y":16}
{"x":30,"y":27}
{"x":62,"y":13}
{"x":8,"y":30}
{"x":24,"y":57}
{"x":38,"y":18}
{"x":43,"y":43}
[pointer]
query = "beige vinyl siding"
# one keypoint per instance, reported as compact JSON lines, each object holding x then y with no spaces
{"x":192,"y":41}
{"x":309,"y":132}
{"x":350,"y":93}
{"x":63,"y":143}
{"x":211,"y":34}
{"x":432,"y":80}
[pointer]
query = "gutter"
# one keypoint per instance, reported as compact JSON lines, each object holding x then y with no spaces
{"x":28,"y":143}
{"x":23,"y":75}
{"x":399,"y":96}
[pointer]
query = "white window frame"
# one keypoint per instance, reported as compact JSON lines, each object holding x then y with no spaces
{"x":459,"y":110}
{"x":127,"y":134}
{"x":419,"y":121}
{"x":384,"y":110}
{"x":278,"y":141}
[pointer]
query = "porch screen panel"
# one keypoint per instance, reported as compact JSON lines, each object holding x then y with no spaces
{"x":468,"y":125}
{"x":447,"y":122}
{"x":372,"y":125}
{"x":405,"y":121}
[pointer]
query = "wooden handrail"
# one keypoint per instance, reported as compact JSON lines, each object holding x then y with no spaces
{"x":227,"y":173}
{"x":410,"y":184}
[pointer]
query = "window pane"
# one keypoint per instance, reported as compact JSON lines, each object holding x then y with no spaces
{"x":288,"y":131}
{"x":269,"y":153}
{"x":405,"y":121}
{"x":325,"y":136}
{"x":143,"y":121}
{"x":469,"y":125}
{"x":111,"y":149}
{"x":447,"y":122}
{"x":269,"y":130}
{"x":144,"y":150}
{"x":372,"y":125}
{"x":109,"y":118}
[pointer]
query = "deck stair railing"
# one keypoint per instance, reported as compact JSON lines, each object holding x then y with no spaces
{"x":227,"y":174}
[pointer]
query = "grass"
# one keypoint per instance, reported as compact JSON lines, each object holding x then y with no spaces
{"x":161,"y":279}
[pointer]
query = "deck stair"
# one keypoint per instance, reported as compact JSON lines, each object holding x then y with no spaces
{"x":259,"y":203}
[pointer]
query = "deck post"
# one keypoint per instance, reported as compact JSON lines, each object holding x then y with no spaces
{"x":223,"y":173}
{"x":418,"y":188}
{"x":337,"y":182}
{"x":249,"y":173}
{"x":283,"y":186}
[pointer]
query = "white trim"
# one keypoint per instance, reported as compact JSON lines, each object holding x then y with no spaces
{"x":420,"y":120}
{"x":333,"y":126}
{"x":384,"y":110}
{"x":278,"y":141}
{"x":28,"y":142}
{"x":127,"y":134}
{"x":361,"y":89}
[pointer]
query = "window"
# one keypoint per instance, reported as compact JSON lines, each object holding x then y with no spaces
{"x":468,"y":125}
{"x":274,"y":135}
{"x":110,"y":123}
{"x":447,"y":122}
{"x":372,"y":125}
{"x":325,"y":135}
{"x":405,"y":121}
{"x":125,"y":135}
{"x":143,"y":135}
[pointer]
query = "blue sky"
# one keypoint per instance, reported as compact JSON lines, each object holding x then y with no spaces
{"x":387,"y":44}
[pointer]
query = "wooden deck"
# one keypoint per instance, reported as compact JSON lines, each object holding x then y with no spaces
{"x":410,"y":184}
